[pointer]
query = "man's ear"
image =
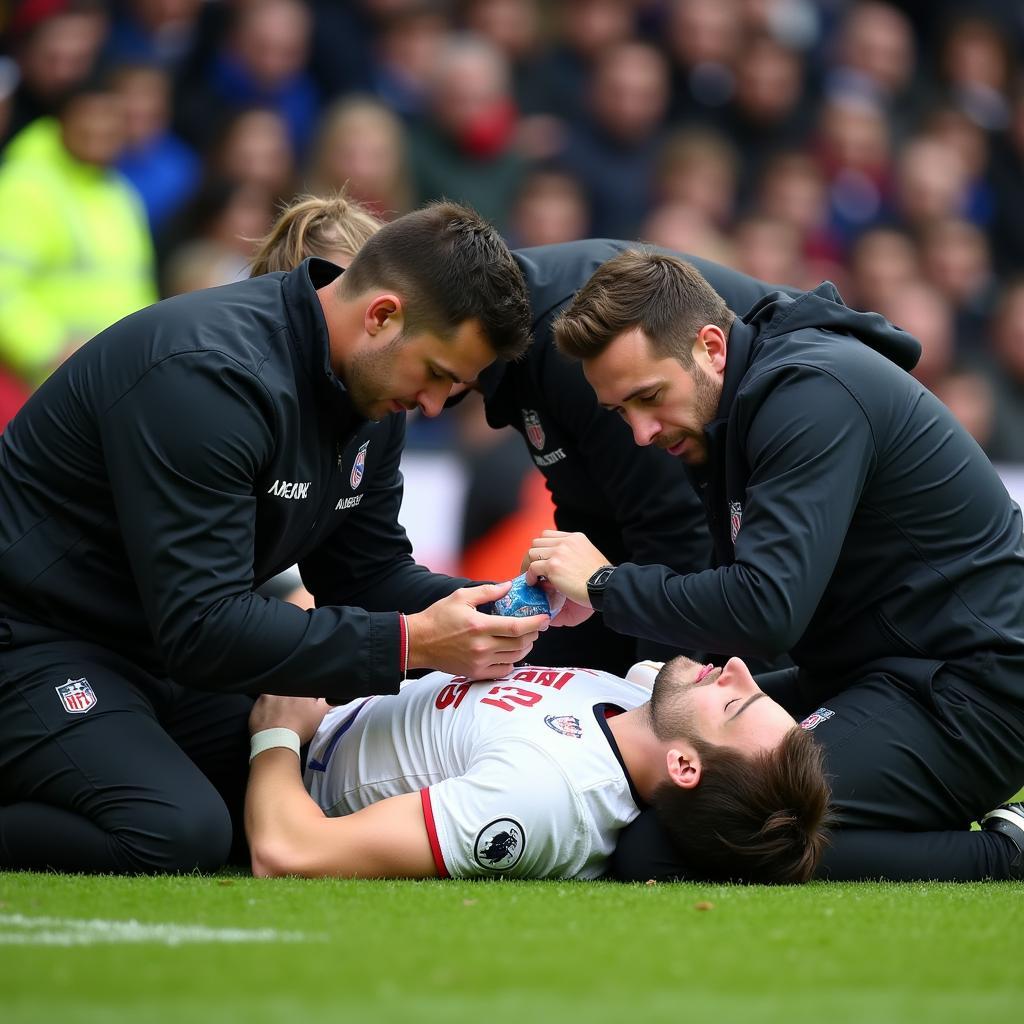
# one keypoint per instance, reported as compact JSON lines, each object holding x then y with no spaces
{"x":382,"y":311}
{"x":684,"y":767}
{"x":710,"y":347}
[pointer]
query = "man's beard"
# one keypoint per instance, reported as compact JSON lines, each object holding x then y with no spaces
{"x":707,"y":395}
{"x":368,"y":379}
{"x":670,"y":708}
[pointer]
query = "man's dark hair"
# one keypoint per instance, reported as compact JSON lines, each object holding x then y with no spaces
{"x":666,"y":297}
{"x":448,"y":265}
{"x":751,"y":818}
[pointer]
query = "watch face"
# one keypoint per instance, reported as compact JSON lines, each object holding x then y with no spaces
{"x":601,"y":577}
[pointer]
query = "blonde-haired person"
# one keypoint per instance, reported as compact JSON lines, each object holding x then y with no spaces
{"x":360,"y":146}
{"x":333,"y":227}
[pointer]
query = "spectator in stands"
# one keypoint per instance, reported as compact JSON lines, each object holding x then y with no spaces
{"x":875,"y":56}
{"x":550,"y":207}
{"x":769,"y":249}
{"x":464,"y":148}
{"x":883,"y":260}
{"x":931,"y":183}
{"x":409,"y":42}
{"x":956,"y":258}
{"x":75,"y":249}
{"x":160,"y":32}
{"x":704,"y":42}
{"x":615,"y":152}
{"x":55,"y":45}
{"x":214,"y":238}
{"x":1007,"y":443}
{"x":770,"y":110}
{"x":360,"y":146}
{"x":261,"y":62}
{"x":253,"y":147}
{"x":699,"y":168}
{"x":164,"y":169}
{"x":923,"y":311}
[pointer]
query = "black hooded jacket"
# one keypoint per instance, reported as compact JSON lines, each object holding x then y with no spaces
{"x":854,"y":521}
{"x":633,"y":503}
{"x":187,"y":454}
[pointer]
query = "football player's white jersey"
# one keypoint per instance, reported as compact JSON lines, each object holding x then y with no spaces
{"x":518,"y":777}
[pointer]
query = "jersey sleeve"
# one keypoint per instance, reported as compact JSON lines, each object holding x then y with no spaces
{"x":512,"y":814}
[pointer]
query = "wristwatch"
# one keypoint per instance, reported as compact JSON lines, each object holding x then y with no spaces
{"x":598,"y":584}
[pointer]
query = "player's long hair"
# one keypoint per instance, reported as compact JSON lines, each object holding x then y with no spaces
{"x":760,"y":818}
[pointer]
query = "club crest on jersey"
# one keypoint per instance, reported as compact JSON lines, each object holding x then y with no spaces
{"x":735,"y":519}
{"x":499,"y":846}
{"x":567,"y":725}
{"x":812,"y":721}
{"x":77,"y":696}
{"x":355,"y":478}
{"x":534,"y":431}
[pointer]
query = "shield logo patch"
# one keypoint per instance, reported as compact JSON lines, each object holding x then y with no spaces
{"x":355,"y":478}
{"x":77,"y":696}
{"x":735,"y":519}
{"x":534,"y":431}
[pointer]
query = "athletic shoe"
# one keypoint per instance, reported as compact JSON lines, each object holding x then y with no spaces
{"x":1008,"y":820}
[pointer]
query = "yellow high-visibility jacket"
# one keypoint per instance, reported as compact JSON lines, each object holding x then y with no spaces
{"x":75,"y":251}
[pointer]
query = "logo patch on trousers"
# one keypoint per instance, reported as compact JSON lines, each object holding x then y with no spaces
{"x":815,"y":719}
{"x":77,"y":696}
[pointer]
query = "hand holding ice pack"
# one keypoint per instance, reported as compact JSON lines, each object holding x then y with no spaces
{"x":523,"y":600}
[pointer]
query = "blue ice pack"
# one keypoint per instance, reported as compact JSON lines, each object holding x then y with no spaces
{"x":522,"y":600}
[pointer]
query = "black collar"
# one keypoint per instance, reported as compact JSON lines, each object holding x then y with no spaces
{"x":308,"y":328}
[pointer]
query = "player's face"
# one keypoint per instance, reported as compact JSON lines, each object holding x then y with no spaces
{"x":723,"y":706}
{"x":405,"y":372}
{"x":663,"y":403}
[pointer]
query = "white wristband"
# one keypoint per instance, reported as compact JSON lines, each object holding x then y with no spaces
{"x":265,"y":739}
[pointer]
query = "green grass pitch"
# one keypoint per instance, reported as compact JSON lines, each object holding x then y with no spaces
{"x":236,"y":949}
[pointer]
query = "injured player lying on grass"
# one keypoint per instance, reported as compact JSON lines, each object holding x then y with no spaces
{"x":533,"y":776}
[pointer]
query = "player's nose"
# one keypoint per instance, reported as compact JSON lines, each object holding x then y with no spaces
{"x":736,"y":674}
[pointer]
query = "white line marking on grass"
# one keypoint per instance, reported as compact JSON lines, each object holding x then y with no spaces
{"x":19,"y":930}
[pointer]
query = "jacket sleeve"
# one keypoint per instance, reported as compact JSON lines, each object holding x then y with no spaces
{"x":658,"y":512}
{"x":368,"y":561}
{"x":183,"y":448}
{"x":810,"y":448}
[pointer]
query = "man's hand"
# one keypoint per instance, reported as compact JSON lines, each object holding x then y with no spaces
{"x":300,"y":714}
{"x":567,"y":560}
{"x":454,"y":636}
{"x":572,"y":614}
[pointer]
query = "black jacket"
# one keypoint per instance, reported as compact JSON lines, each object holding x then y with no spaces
{"x":633,"y":503}
{"x":184,"y":456}
{"x":854,"y":520}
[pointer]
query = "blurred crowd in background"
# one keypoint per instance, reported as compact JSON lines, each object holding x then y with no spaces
{"x":148,"y":143}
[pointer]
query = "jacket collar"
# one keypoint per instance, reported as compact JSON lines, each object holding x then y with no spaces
{"x":308,"y":328}
{"x":737,"y":362}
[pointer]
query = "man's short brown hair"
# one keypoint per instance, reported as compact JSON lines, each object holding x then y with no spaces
{"x":449,"y":266}
{"x":666,"y":297}
{"x":751,"y":818}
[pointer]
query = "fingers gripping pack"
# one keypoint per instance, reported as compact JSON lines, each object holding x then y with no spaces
{"x":522,"y":600}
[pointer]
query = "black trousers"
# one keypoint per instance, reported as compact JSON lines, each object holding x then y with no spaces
{"x":910,"y":771}
{"x":127,"y":773}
